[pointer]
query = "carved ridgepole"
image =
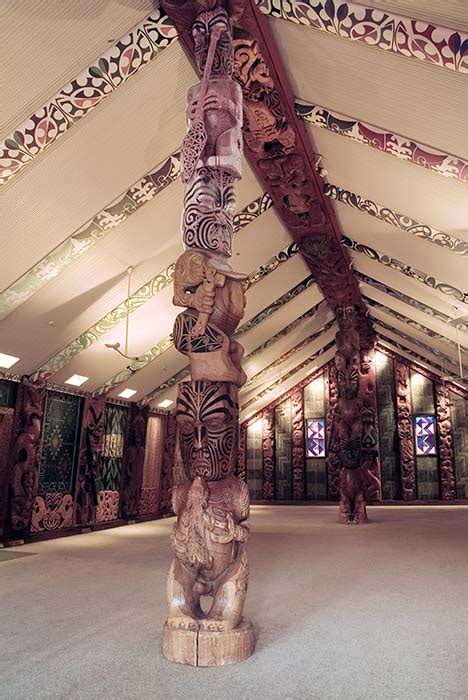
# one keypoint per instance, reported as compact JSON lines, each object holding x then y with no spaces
{"x":350,"y":417}
{"x":212,"y":506}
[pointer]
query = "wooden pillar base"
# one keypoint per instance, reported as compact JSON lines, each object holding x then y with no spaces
{"x":209,"y":648}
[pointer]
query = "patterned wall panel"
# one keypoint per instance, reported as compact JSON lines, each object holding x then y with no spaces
{"x":388,"y":428}
{"x":115,"y":423}
{"x":427,"y":469}
{"x":255,"y":460}
{"x":283,"y":453}
{"x":7,"y":393}
{"x":460,"y":442}
{"x":150,"y":487}
{"x":315,"y":467}
{"x":59,"y":442}
{"x":53,"y":507}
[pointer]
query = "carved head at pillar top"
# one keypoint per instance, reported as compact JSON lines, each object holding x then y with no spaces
{"x":208,"y":419}
{"x":346,"y":315}
{"x":202,"y":29}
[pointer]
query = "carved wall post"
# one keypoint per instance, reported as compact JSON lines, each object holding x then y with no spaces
{"x":370,"y":443}
{"x":92,"y":432}
{"x":297,"y":435}
{"x":268,"y":442}
{"x":165,"y":494}
{"x":6,"y":427}
{"x":405,"y":430}
{"x":133,"y":461}
{"x":212,"y":506}
{"x":24,"y":457}
{"x":444,"y":431}
{"x":333,"y":446}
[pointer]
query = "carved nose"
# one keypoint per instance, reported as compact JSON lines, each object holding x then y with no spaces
{"x":199,"y":436}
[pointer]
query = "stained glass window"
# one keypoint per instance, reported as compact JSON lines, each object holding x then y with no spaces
{"x":425,"y":435}
{"x":316,"y":437}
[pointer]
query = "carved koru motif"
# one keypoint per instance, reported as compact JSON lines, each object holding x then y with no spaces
{"x":212,"y":506}
{"x":405,"y":431}
{"x":266,"y":131}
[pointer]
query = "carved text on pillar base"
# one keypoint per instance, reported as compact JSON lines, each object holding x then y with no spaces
{"x":212,"y":506}
{"x":405,"y":431}
{"x":444,"y":431}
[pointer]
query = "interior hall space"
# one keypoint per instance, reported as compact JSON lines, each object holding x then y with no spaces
{"x":233,"y":349}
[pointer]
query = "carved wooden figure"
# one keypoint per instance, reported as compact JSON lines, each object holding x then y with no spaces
{"x":212,"y":505}
{"x":88,"y":462}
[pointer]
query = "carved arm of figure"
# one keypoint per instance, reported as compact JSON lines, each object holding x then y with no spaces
{"x":195,"y":283}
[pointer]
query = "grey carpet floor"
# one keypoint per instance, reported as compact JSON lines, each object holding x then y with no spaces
{"x":378,"y":611}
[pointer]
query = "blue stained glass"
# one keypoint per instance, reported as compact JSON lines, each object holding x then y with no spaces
{"x":316,"y":437}
{"x":425,"y":435}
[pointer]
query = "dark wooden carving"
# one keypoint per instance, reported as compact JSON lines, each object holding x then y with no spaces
{"x":333,"y":445}
{"x":278,"y":148}
{"x":6,"y":427}
{"x":92,"y":432}
{"x":212,"y":506}
{"x":242,"y":454}
{"x":297,"y":428}
{"x":167,"y":466}
{"x":24,"y":459}
{"x":445,"y":439}
{"x":370,"y":447}
{"x":133,"y":461}
{"x":405,"y":430}
{"x":268,"y":442}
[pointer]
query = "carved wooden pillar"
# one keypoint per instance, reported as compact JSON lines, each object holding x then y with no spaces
{"x":370,"y":442}
{"x":133,"y":461}
{"x":445,"y":438}
{"x":298,"y":455}
{"x":212,"y":505}
{"x":6,"y":427}
{"x":25,"y":457}
{"x":333,"y":446}
{"x":167,"y":465}
{"x":405,"y":430}
{"x":268,"y":443}
{"x":242,"y":454}
{"x":92,"y":432}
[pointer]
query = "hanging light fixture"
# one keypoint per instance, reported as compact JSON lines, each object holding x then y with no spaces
{"x":116,"y":346}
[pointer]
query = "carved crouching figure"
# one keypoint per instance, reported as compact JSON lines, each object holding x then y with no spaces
{"x":216,"y":303}
{"x":212,"y":524}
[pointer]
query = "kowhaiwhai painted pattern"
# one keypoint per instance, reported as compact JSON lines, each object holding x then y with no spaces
{"x":289,"y":353}
{"x":395,"y":264}
{"x":443,"y":359}
{"x":394,"y":218}
{"x":288,"y":375}
{"x":88,"y":235}
{"x":393,"y":144}
{"x":411,"y":322}
{"x":429,"y":310}
{"x":141,"y":296}
{"x":79,"y":97}
{"x":439,"y":46}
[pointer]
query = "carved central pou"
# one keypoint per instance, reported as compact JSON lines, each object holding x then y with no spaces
{"x":212,"y":505}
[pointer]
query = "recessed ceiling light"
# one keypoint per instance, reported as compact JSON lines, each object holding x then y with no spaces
{"x":165,"y":404}
{"x":76,"y":380}
{"x":7,"y":361}
{"x":127,"y":393}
